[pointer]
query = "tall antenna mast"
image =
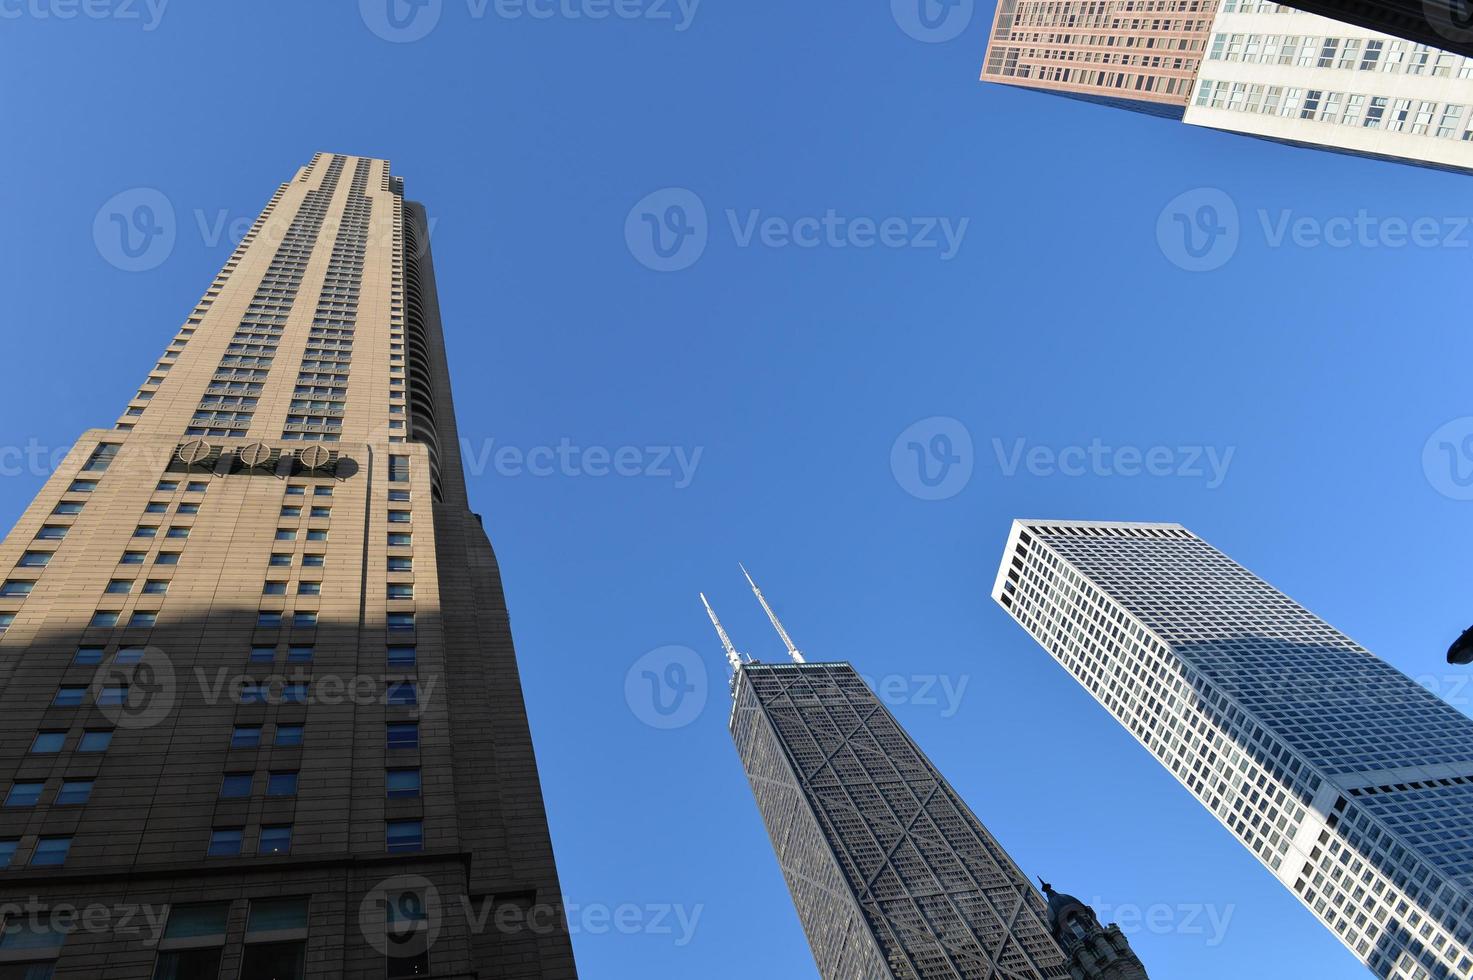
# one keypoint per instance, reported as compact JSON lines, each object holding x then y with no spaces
{"x":776,"y":624}
{"x":732,"y":657}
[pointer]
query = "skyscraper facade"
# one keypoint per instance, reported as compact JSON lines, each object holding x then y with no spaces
{"x":1246,"y":66}
{"x":1133,"y":54}
{"x":1350,"y":782}
{"x":260,"y":713}
{"x":893,"y":877}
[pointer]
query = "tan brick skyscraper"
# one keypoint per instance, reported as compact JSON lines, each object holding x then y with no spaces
{"x":260,"y":714}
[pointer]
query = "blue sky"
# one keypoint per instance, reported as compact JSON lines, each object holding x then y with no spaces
{"x":785,"y":374}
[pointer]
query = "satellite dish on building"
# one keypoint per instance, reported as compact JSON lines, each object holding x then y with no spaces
{"x":315,"y":457}
{"x":195,"y":451}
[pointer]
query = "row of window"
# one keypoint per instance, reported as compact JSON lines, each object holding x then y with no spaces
{"x":1412,"y":116}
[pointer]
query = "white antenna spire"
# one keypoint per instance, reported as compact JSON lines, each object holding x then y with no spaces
{"x":732,"y":657}
{"x":787,"y":640}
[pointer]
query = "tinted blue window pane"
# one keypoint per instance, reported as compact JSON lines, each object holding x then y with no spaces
{"x":74,"y":793}
{"x":224,"y":843}
{"x":68,"y":697}
{"x":275,"y":840}
{"x":235,"y":785}
{"x":282,"y":784}
{"x":402,"y":692}
{"x":401,"y":656}
{"x":88,"y":655}
{"x":405,"y":835}
{"x":288,"y":734}
{"x":7,"y":851}
{"x":245,"y":737}
{"x":95,"y":741}
{"x":48,"y":742}
{"x":402,"y":783}
{"x":24,"y":794}
{"x":403,"y":735}
{"x":51,"y":851}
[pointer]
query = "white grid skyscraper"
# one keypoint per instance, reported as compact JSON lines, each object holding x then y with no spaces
{"x":1348,"y":780}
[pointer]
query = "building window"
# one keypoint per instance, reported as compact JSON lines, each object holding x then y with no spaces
{"x":291,"y":512}
{"x":274,"y":588}
{"x":101,"y":458}
{"x":51,"y":532}
{"x":167,"y":486}
{"x":275,"y":839}
{"x":288,"y":735}
{"x":29,"y":945}
{"x":235,"y":785}
{"x":294,"y":693}
{"x":68,"y":697}
{"x":167,"y":558}
{"x":143,"y":620}
{"x":145,"y":531}
{"x":399,"y":622}
{"x":51,"y":852}
{"x":132,"y":558}
{"x":82,"y":486}
{"x":224,"y":842}
{"x":313,"y":561}
{"x":156,"y":507}
{"x":316,"y":534}
{"x":399,"y":517}
{"x":401,"y":656}
{"x":402,"y":784}
{"x":74,"y":792}
{"x":253,"y":693}
{"x":282,"y":784}
{"x":262,"y":655}
{"x":405,"y":836}
{"x":88,"y":656}
{"x":196,"y":486}
{"x":187,"y":509}
{"x":401,"y":563}
{"x":47,"y":743}
{"x":6,"y":619}
{"x":16,"y":587}
{"x":400,"y":540}
{"x":95,"y":741}
{"x":24,"y":794}
{"x":322,"y":491}
{"x":402,"y":693}
{"x":178,"y":532}
{"x":296,"y":491}
{"x":309,"y":588}
{"x":245,"y":737}
{"x":192,"y":942}
{"x":403,"y":735}
{"x":129,"y":655}
{"x":398,"y":469}
{"x":304,"y":620}
{"x":68,"y":508}
{"x":105,"y":618}
{"x":401,"y":590}
{"x":35,"y":559}
{"x":283,"y":534}
{"x":275,"y":940}
{"x":399,"y":496}
{"x":155,"y":586}
{"x":269,"y":620}
{"x":119,"y":586}
{"x":280,"y":561}
{"x":320,"y":512}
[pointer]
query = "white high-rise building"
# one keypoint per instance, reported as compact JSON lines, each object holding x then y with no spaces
{"x":1277,"y":72}
{"x":1345,"y":778}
